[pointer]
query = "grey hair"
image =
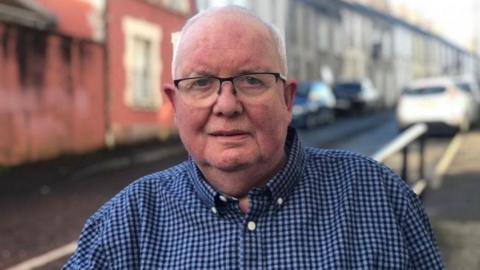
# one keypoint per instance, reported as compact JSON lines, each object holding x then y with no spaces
{"x":279,"y":42}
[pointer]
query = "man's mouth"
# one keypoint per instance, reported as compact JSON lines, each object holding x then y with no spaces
{"x":228,"y":133}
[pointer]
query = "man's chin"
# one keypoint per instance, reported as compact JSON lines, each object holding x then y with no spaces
{"x":231,"y":163}
{"x":230,"y":166}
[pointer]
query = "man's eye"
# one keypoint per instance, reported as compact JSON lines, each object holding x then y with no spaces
{"x":202,"y":82}
{"x":253,"y":80}
{"x":249,"y":80}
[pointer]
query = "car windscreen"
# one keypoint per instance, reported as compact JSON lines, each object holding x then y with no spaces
{"x":465,"y":87}
{"x":347,"y":88}
{"x":424,"y":91}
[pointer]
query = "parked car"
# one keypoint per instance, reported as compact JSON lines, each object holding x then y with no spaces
{"x":438,"y":102}
{"x":470,"y":85}
{"x":357,"y":96}
{"x":314,"y":105}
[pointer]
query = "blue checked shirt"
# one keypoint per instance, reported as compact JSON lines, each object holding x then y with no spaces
{"x":325,"y":209}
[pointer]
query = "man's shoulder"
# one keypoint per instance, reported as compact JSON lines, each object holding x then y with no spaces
{"x":336,"y":156}
{"x":163,"y":178}
{"x":345,"y":171}
{"x":353,"y":168}
{"x":148,"y":191}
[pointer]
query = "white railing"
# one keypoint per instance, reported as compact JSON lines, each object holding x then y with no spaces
{"x":402,"y":143}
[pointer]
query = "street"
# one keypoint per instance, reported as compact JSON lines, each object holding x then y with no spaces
{"x":92,"y":92}
{"x":43,"y":209}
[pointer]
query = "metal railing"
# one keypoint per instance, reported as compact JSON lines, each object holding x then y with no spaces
{"x":402,"y":143}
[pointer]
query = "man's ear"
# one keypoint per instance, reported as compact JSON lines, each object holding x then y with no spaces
{"x":170,"y":92}
{"x":290,"y":91}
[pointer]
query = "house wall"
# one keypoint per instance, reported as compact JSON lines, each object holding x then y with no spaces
{"x":130,"y":123}
{"x":51,"y":95}
{"x":77,"y":18}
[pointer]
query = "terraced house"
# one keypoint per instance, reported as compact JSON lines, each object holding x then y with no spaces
{"x":80,"y":75}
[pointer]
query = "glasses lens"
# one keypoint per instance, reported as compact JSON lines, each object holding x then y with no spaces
{"x":198,"y":88}
{"x":252,"y":84}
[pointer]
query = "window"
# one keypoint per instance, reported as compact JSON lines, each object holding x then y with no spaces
{"x":306,"y":27}
{"x":142,"y":73}
{"x":292,"y":34}
{"x":323,"y":33}
{"x":181,"y":6}
{"x":142,"y":64}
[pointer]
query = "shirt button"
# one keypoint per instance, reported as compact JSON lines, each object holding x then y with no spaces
{"x":214,"y":210}
{"x":251,"y":226}
{"x":279,"y":201}
{"x":223,"y":198}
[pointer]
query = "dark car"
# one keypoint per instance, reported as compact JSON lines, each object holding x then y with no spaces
{"x":356,"y":96}
{"x":314,"y":105}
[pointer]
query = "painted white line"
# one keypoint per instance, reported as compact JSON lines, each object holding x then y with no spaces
{"x":46,"y":258}
{"x":447,"y":159}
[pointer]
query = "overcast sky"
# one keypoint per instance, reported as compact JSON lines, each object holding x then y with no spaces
{"x":453,"y":17}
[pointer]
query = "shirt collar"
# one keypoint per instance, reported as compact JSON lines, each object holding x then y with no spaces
{"x":280,"y":186}
{"x":283,"y":183}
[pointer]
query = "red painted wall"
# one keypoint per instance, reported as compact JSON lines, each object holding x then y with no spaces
{"x":129,"y":124}
{"x":51,"y":95}
{"x":60,"y":93}
{"x":72,"y":17}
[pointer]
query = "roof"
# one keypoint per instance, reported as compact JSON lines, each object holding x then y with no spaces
{"x":76,"y":18}
{"x":27,"y":13}
{"x":393,"y":20}
{"x":327,"y":7}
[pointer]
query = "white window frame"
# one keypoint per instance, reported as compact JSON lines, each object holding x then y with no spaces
{"x":182,"y":6}
{"x":135,"y":28}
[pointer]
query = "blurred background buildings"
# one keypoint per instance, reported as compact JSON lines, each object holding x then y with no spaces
{"x":80,"y":75}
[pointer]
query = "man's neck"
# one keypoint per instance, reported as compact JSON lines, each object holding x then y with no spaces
{"x":238,"y":183}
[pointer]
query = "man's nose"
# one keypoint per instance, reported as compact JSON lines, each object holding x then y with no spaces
{"x":227,"y":103}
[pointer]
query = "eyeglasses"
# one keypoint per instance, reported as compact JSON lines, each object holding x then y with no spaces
{"x":201,"y":90}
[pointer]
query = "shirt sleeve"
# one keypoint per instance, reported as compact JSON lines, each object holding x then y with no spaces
{"x":423,"y":248}
{"x":90,"y":253}
{"x":415,"y":225}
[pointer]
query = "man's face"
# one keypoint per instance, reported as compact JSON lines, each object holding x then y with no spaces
{"x":233,"y":132}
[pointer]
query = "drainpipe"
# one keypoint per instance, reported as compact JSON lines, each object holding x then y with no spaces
{"x":109,"y":135}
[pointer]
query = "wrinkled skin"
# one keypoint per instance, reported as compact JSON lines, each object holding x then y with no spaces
{"x":237,"y":142}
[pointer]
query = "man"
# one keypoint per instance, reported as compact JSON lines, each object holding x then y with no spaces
{"x":250,"y":196}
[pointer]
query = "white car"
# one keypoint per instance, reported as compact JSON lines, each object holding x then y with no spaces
{"x":469,"y":84}
{"x":438,"y":102}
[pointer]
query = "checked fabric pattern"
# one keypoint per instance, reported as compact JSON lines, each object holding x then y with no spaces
{"x":325,"y":209}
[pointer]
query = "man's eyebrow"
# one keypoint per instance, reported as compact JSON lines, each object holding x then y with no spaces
{"x":200,"y":73}
{"x":252,"y":70}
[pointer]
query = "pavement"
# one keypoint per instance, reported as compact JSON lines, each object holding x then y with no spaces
{"x":44,"y":205}
{"x":453,"y":203}
{"x":40,"y":175}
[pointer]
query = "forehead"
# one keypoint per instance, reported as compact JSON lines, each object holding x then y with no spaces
{"x":227,"y":43}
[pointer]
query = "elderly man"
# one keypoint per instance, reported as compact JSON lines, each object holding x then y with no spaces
{"x":250,"y":196}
